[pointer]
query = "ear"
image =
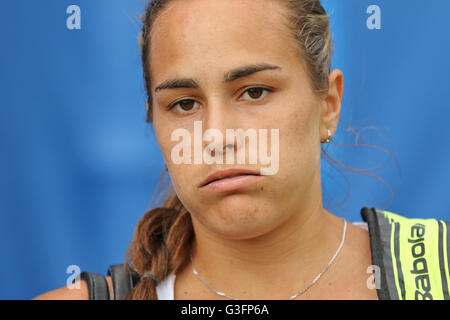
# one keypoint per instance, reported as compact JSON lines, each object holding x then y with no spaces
{"x":331,"y":105}
{"x":146,"y":106}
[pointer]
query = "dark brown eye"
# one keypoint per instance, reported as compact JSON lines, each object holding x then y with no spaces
{"x":255,"y":93}
{"x":187,"y":105}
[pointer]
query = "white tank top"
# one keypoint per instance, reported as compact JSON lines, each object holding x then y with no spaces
{"x":165,"y":289}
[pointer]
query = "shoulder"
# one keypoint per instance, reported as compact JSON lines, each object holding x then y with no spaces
{"x":80,"y":293}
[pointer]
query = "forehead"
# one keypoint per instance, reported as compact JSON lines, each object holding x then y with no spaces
{"x":191,"y":35}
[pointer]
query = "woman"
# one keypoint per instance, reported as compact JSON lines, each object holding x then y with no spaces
{"x":230,"y":231}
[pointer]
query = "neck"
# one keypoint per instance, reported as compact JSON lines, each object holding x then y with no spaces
{"x":278,"y":263}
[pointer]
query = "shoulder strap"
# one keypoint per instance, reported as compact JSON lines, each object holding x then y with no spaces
{"x":97,"y":285}
{"x":123,"y":281}
{"x":411,"y":256}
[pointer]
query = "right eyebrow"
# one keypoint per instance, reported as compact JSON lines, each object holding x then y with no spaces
{"x":177,"y":83}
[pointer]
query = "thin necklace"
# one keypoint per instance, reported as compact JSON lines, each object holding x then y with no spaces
{"x":295,"y":295}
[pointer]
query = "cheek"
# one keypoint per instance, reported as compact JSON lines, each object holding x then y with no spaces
{"x":163,"y":133}
{"x":300,"y":133}
{"x":299,"y":145}
{"x":160,"y":133}
{"x":180,"y":180}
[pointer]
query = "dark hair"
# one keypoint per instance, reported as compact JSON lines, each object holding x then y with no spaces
{"x":163,"y":236}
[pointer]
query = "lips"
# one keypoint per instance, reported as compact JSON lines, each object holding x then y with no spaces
{"x":225,"y":174}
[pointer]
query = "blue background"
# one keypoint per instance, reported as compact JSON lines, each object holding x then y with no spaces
{"x":79,"y":164}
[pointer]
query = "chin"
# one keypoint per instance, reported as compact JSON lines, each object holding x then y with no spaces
{"x":235,"y":231}
{"x":238,"y":220}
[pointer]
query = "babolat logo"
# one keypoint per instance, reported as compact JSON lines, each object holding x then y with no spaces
{"x":419,"y":266}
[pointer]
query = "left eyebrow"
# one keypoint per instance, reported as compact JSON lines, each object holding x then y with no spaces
{"x":248,"y":70}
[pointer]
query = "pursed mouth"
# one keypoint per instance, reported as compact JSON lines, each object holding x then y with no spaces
{"x":227,"y":174}
{"x":229,"y":177}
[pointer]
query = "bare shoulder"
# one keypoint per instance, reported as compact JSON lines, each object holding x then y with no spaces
{"x":80,"y":293}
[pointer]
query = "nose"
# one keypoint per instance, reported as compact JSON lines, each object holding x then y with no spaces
{"x":219,"y":117}
{"x":211,"y":148}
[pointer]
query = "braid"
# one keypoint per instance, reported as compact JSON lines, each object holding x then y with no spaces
{"x":160,"y":246}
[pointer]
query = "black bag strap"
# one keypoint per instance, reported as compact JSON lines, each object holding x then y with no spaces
{"x":97,"y":285}
{"x":123,"y":281}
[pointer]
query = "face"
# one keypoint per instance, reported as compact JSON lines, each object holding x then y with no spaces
{"x":203,"y":43}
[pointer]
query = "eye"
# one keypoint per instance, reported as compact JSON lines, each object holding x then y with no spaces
{"x":185,"y":106}
{"x":256,"y":93}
